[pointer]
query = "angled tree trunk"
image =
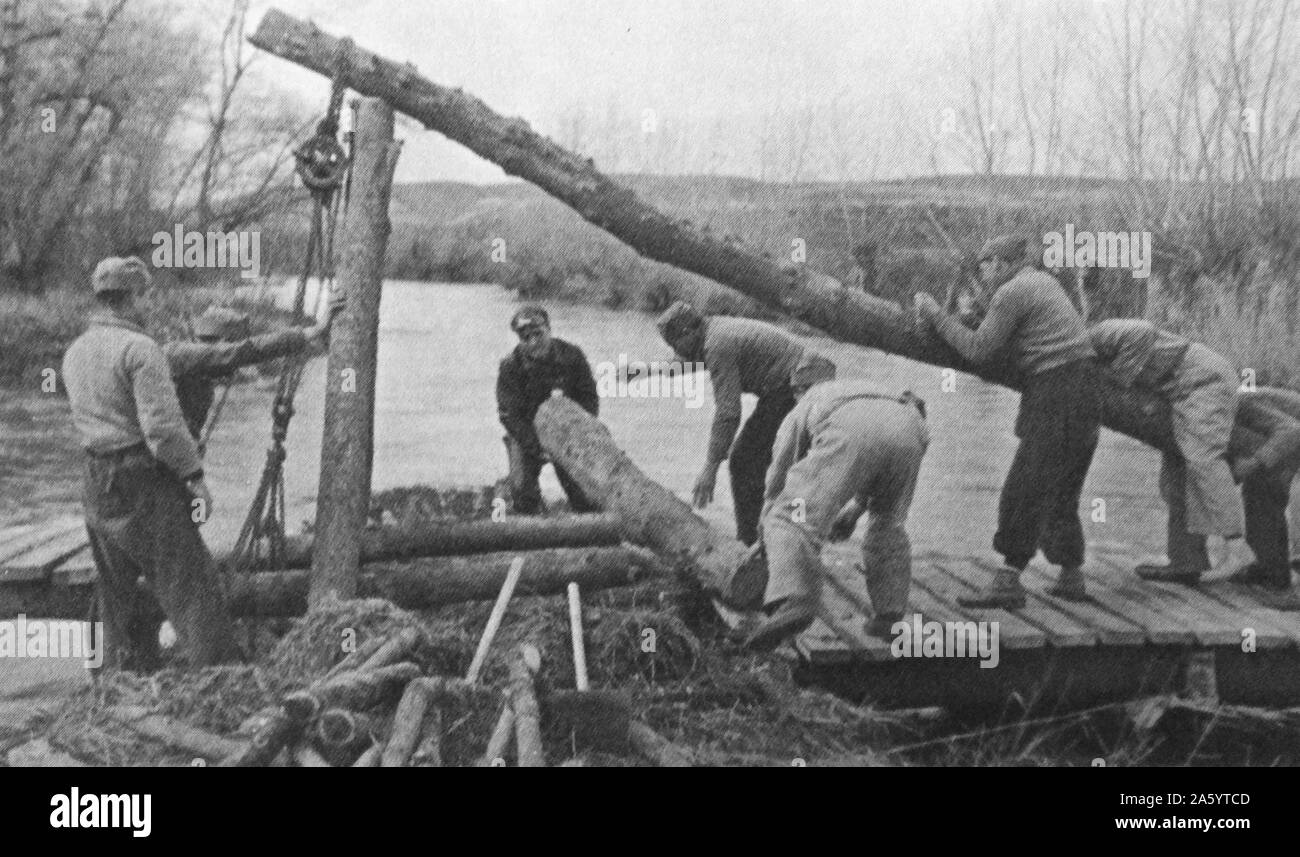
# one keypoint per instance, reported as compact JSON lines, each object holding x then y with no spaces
{"x":651,"y":514}
{"x":816,"y":300}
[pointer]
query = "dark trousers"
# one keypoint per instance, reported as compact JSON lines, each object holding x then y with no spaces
{"x":526,"y":491}
{"x":1186,"y":550}
{"x":1265,"y":497}
{"x":751,"y":453}
{"x":138,"y":516}
{"x":1058,"y":426}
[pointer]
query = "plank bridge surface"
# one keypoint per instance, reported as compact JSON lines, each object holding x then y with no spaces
{"x":1123,"y":610}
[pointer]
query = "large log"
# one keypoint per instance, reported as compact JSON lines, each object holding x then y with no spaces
{"x":651,"y":514}
{"x":417,"y":585}
{"x":819,"y":301}
{"x":459,"y":538}
{"x":428,"y":583}
{"x":156,"y":727}
{"x":347,"y":442}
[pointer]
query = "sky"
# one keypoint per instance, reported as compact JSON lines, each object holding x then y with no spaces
{"x":713,"y":71}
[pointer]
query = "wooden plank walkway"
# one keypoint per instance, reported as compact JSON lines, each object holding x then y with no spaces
{"x":1127,"y":625}
{"x":1123,"y":610}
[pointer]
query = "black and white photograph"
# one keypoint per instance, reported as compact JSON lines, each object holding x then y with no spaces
{"x":615,"y":383}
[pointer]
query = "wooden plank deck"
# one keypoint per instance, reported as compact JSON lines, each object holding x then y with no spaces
{"x":1129,"y":637}
{"x":1127,"y":625}
{"x":1123,"y":610}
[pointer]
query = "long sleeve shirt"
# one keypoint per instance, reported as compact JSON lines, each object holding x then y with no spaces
{"x":120,"y":390}
{"x":524,"y":384}
{"x":1031,"y":318}
{"x":1139,"y":353}
{"x":196,"y":366}
{"x":743,"y":356}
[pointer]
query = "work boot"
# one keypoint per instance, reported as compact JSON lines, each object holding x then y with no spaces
{"x":788,"y":618}
{"x":748,"y":583}
{"x":1255,"y":574}
{"x":1069,"y":585}
{"x":1005,"y":591}
{"x":882,"y":625}
{"x":1168,"y":573}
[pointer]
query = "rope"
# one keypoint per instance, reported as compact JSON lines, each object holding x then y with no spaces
{"x":323,"y":166}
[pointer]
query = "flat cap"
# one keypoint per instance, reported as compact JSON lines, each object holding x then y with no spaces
{"x":812,"y":369}
{"x":1009,"y":248}
{"x":222,"y":323}
{"x":678,"y":319}
{"x":530,"y":315}
{"x":117,"y":274}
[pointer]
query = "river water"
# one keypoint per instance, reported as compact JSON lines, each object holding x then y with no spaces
{"x":436,"y":424}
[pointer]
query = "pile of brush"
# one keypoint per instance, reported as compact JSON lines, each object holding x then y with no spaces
{"x":410,"y":693}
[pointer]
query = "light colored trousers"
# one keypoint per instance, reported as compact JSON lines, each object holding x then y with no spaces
{"x":870,"y":449}
{"x":1203,"y":396}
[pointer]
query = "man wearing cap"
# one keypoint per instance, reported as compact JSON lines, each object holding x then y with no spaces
{"x":848,"y":447}
{"x":742,"y":356}
{"x":144,"y":489}
{"x":539,"y":364}
{"x":1031,"y":322}
{"x":221,"y":345}
{"x":1201,"y":389}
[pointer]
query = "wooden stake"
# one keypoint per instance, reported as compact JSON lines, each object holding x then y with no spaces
{"x":528,"y":731}
{"x":494,"y":620}
{"x":347,"y":445}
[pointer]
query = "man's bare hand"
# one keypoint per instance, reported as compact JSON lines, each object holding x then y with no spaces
{"x":702,"y":493}
{"x":319,"y":332}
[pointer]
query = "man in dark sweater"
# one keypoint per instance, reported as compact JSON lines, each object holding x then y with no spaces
{"x":1032,"y":323}
{"x":539,"y":364}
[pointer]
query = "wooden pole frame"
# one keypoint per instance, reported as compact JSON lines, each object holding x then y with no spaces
{"x":347,"y":443}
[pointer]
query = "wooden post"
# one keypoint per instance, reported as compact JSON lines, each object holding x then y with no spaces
{"x":347,"y":447}
{"x":816,"y":300}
